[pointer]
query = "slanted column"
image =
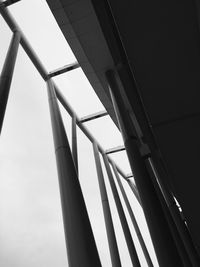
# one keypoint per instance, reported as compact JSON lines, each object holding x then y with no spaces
{"x":112,"y":242}
{"x":122,"y":217}
{"x":74,"y":142}
{"x":81,"y":247}
{"x":178,"y":228}
{"x":163,"y":242}
{"x":7,"y":74}
{"x":133,"y":188}
{"x":133,"y":219}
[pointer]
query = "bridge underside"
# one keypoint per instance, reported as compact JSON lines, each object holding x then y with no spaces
{"x":155,"y":48}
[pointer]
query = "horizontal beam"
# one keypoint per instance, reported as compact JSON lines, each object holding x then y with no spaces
{"x":8,"y":3}
{"x":115,"y":149}
{"x":94,"y":116}
{"x":71,"y":112}
{"x":64,"y":69}
{"x":130,"y":175}
{"x":43,"y":72}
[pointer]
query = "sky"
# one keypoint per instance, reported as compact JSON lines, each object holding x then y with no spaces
{"x":31,"y":228}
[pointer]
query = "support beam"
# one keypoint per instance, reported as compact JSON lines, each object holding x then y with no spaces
{"x":129,"y":179}
{"x":81,"y":247}
{"x":64,"y":69}
{"x":163,"y":242}
{"x":24,"y":43}
{"x":94,"y":116}
{"x":44,"y":74}
{"x":8,"y":3}
{"x":184,"y":236}
{"x":71,"y":112}
{"x":7,"y":74}
{"x":134,"y":190}
{"x":122,"y":217}
{"x":133,"y":219}
{"x":115,"y":149}
{"x":114,"y":253}
{"x":74,"y":143}
{"x":175,"y":234}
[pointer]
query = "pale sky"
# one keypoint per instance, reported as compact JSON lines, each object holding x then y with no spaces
{"x":31,"y":229}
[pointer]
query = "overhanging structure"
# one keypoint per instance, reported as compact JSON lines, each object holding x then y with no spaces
{"x":142,"y":59}
{"x":151,"y":54}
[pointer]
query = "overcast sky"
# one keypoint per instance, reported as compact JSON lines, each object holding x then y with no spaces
{"x":31,"y":229}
